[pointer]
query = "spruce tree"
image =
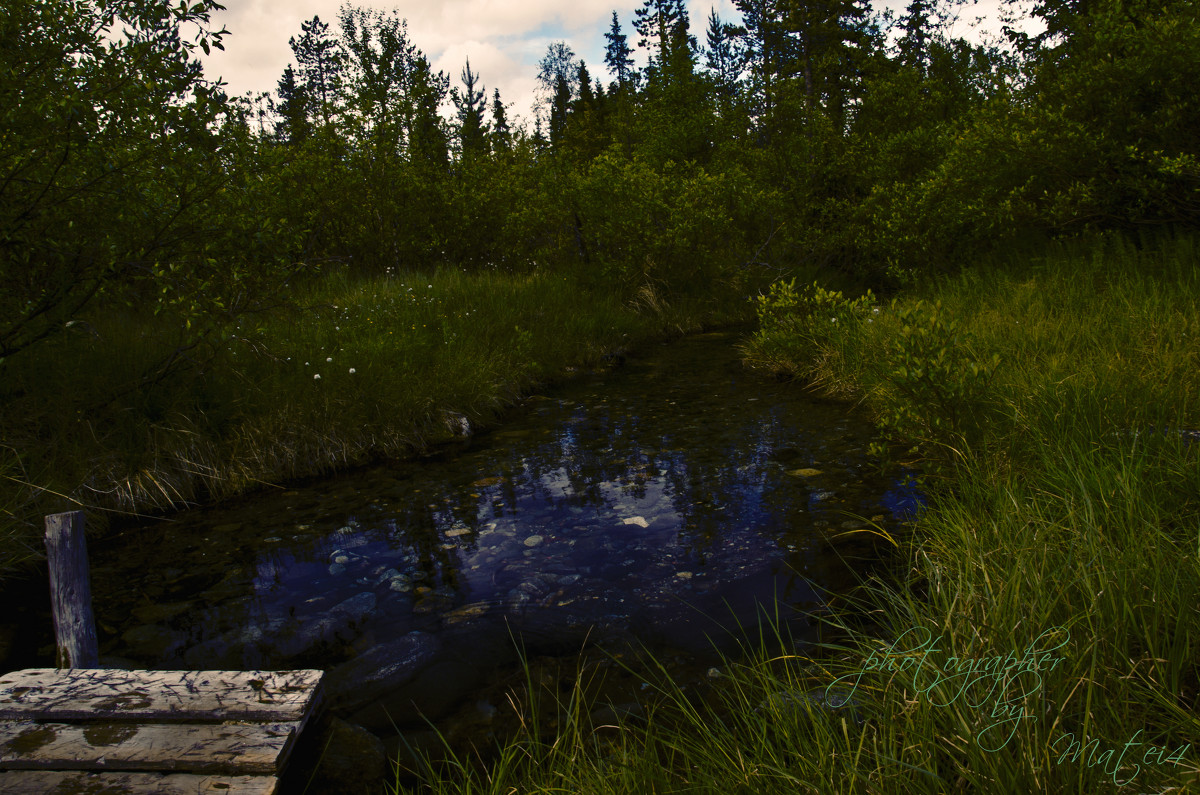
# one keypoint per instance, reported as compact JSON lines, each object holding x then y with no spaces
{"x":655,"y":22}
{"x":559,"y":108}
{"x":321,"y":59}
{"x":914,"y":44}
{"x":293,"y":109}
{"x":617,"y":55}
{"x":472,"y":130}
{"x":501,"y":132}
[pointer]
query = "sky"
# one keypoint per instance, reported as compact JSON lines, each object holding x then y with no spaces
{"x":503,"y":40}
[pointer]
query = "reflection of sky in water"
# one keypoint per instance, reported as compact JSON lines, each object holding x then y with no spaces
{"x":675,"y":476}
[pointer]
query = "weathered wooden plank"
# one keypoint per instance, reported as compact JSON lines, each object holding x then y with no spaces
{"x":228,"y":748}
{"x":185,"y":696}
{"x":71,"y":590}
{"x":44,"y":782}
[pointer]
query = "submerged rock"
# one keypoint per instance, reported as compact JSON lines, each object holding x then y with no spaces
{"x":432,"y":694}
{"x":357,"y":607}
{"x":340,"y":623}
{"x":465,"y":613}
{"x":380,"y":670}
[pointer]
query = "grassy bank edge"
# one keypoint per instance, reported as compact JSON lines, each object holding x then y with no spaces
{"x":357,"y":372}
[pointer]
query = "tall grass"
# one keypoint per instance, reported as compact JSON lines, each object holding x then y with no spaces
{"x":124,"y":413}
{"x":1044,"y":635}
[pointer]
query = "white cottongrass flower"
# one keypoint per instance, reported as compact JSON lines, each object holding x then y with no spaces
{"x":316,"y":376}
{"x":328,"y":359}
{"x":351,"y":371}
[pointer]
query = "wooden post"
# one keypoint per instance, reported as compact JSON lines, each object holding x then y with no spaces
{"x":71,"y":591}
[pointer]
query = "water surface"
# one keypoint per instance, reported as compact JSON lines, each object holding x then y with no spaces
{"x":663,"y":502}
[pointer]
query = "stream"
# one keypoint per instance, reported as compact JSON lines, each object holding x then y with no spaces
{"x":666,"y":503}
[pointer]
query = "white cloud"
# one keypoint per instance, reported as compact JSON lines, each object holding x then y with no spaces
{"x":504,"y":40}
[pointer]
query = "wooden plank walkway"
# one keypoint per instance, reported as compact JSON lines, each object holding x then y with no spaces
{"x":161,"y":732}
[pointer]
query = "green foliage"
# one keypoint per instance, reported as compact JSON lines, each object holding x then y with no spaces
{"x":1096,"y":131}
{"x":804,"y":331}
{"x":1100,"y":327}
{"x":783,"y":309}
{"x":106,"y":151}
{"x":678,"y":229}
{"x":934,"y":385}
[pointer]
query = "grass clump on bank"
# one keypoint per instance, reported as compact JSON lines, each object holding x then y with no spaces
{"x":126,"y":413}
{"x":1045,"y":634}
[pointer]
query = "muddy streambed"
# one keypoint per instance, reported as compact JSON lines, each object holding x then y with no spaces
{"x":662,"y":502}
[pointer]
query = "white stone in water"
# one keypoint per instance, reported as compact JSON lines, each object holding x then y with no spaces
{"x":458,"y":530}
{"x":337,"y":568}
{"x":637,"y":520}
{"x":388,"y":574}
{"x":533,"y":541}
{"x":342,"y":559}
{"x":683,"y":575}
{"x":401,"y":584}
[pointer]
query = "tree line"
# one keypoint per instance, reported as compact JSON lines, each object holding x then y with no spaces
{"x":821,"y":134}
